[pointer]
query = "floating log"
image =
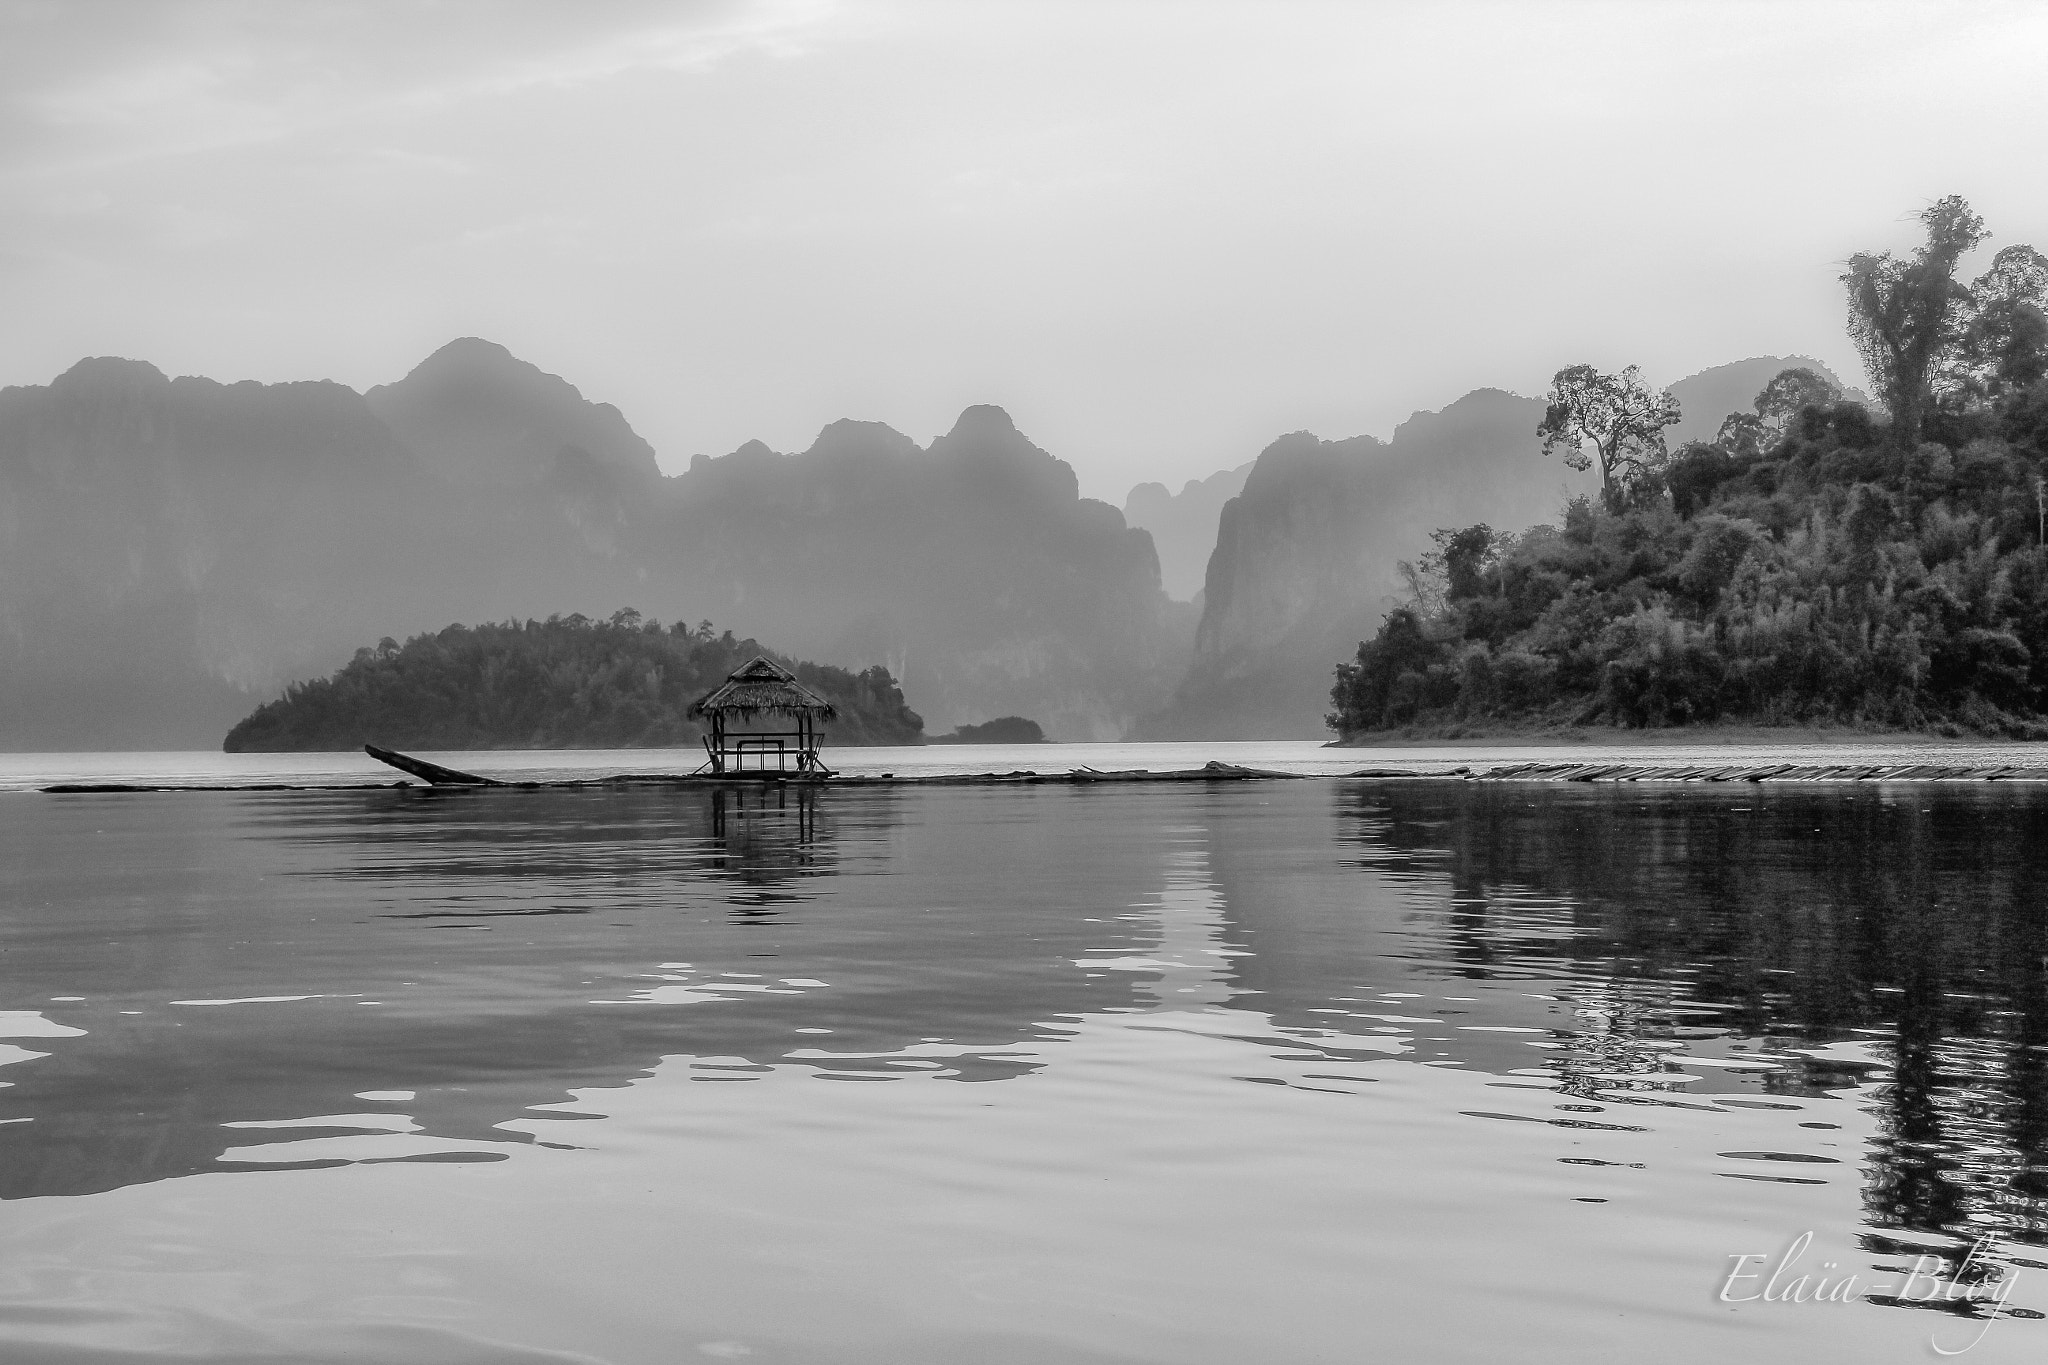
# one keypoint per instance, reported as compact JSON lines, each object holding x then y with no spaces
{"x":103,"y":788}
{"x":432,"y":773}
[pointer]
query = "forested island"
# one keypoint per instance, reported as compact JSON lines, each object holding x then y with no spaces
{"x":1001,"y":730}
{"x":568,"y":682}
{"x":1820,"y":562}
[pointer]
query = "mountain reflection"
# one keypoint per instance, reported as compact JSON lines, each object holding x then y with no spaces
{"x":251,"y":960}
{"x":1740,"y":922}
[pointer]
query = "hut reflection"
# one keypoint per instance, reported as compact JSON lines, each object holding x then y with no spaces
{"x":765,"y":836}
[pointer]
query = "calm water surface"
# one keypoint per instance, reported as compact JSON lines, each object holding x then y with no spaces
{"x":1322,"y":1071}
{"x":28,"y":772}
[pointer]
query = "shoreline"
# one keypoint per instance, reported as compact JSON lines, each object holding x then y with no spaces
{"x":1672,"y":737}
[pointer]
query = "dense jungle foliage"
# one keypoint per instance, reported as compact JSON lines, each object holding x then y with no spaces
{"x":1817,"y":563}
{"x":563,"y":683}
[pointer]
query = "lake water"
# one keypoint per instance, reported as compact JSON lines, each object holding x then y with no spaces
{"x":1341,"y":1070}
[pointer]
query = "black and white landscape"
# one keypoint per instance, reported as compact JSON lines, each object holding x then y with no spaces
{"x":1174,"y":681}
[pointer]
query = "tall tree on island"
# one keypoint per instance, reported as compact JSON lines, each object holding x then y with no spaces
{"x":1617,"y":417}
{"x":1907,"y":316}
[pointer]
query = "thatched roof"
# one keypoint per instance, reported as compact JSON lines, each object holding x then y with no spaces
{"x":764,"y":685}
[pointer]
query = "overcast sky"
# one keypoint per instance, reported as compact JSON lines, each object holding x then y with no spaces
{"x":1159,"y":234}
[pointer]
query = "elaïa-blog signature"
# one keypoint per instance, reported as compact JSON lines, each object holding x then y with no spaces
{"x":1971,"y":1286}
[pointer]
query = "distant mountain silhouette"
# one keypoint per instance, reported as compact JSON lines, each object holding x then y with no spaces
{"x":166,"y":545}
{"x":1305,"y":556}
{"x":173,"y":552}
{"x":973,"y":570}
{"x":1705,"y":399}
{"x":1183,"y":524}
{"x":473,"y":410}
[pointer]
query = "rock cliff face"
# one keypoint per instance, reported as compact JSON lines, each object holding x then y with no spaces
{"x":157,"y":556}
{"x":1305,"y":559}
{"x":973,"y":570}
{"x":1183,"y":525}
{"x":172,"y":552}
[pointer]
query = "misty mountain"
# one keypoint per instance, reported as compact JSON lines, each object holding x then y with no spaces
{"x":973,"y":570}
{"x":1183,"y":524}
{"x":157,"y":559}
{"x":174,"y":551}
{"x":1705,"y":399}
{"x":473,"y":410}
{"x":1306,"y":554}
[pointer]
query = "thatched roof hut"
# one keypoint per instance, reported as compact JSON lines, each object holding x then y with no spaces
{"x":763,"y":687}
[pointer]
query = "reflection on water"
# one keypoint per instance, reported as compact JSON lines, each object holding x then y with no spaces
{"x":1794,"y":1008}
{"x":488,"y":954}
{"x":1744,"y":938}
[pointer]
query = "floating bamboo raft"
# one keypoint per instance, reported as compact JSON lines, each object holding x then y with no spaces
{"x":1760,"y":772}
{"x":438,"y":777}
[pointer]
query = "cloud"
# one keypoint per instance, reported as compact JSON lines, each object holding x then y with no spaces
{"x":1162,"y":232}
{"x":95,"y":85}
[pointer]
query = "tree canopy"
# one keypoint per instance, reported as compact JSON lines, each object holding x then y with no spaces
{"x":563,"y":683}
{"x":1788,"y":393}
{"x":1815,"y":563}
{"x":1618,"y":418}
{"x":1908,"y":314}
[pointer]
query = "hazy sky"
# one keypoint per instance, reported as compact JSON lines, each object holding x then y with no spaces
{"x":1159,"y":234}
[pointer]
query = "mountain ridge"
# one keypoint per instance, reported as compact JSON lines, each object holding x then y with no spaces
{"x":173,"y":551}
{"x":472,"y":409}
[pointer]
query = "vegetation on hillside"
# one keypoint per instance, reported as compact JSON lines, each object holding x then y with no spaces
{"x":1816,"y":563}
{"x":563,"y":683}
